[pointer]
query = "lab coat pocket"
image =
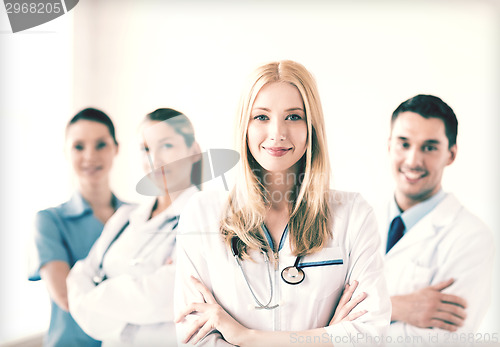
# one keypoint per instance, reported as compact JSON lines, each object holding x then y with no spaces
{"x":325,"y":272}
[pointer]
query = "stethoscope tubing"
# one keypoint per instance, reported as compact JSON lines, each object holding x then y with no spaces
{"x":100,"y":275}
{"x":234,"y":250}
{"x":284,"y":274}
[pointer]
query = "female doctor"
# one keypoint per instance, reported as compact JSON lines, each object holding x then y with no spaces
{"x":283,"y":259}
{"x":65,"y":234}
{"x":122,"y":292}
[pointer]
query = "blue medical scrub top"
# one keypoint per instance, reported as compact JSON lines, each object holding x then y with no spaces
{"x":66,"y":233}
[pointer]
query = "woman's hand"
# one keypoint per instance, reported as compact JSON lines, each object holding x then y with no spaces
{"x":343,"y":312}
{"x":211,"y":316}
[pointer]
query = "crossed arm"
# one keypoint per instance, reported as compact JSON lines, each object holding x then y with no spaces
{"x":201,"y":252}
{"x":430,"y":308}
{"x":213,"y":317}
{"x":468,"y":259}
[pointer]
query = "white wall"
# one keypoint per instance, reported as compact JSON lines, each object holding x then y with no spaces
{"x":130,"y":57}
{"x":35,"y":100}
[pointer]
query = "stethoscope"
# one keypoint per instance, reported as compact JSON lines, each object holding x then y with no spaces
{"x":291,"y":275}
{"x":101,"y":276}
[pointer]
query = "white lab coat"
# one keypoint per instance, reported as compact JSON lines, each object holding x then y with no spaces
{"x":134,"y":306}
{"x":310,"y":304}
{"x":448,"y":242}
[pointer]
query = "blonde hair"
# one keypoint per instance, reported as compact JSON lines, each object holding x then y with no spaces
{"x":309,"y":223}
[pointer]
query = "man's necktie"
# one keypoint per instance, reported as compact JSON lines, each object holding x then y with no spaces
{"x":395,"y":232}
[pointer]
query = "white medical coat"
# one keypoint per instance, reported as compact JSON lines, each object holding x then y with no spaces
{"x":448,"y":242}
{"x":134,"y":305}
{"x":310,"y":304}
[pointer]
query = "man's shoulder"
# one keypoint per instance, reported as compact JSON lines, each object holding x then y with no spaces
{"x":454,"y":213}
{"x":454,"y":221}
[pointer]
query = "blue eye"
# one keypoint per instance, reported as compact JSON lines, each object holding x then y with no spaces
{"x":293,"y":117}
{"x":168,"y":145}
{"x":261,"y":117}
{"x":79,"y":147}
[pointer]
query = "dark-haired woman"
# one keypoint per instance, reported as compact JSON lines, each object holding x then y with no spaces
{"x":65,"y":234}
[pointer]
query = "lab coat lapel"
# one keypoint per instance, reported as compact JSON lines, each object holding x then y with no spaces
{"x":441,"y":216}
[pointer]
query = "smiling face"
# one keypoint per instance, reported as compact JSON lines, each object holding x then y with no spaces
{"x":91,"y":151}
{"x":161,"y":146}
{"x":277,"y":129}
{"x":419,"y":152}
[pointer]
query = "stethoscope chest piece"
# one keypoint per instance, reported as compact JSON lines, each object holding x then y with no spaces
{"x":293,"y":275}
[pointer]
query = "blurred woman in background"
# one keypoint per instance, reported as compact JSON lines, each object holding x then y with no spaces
{"x":65,"y":234}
